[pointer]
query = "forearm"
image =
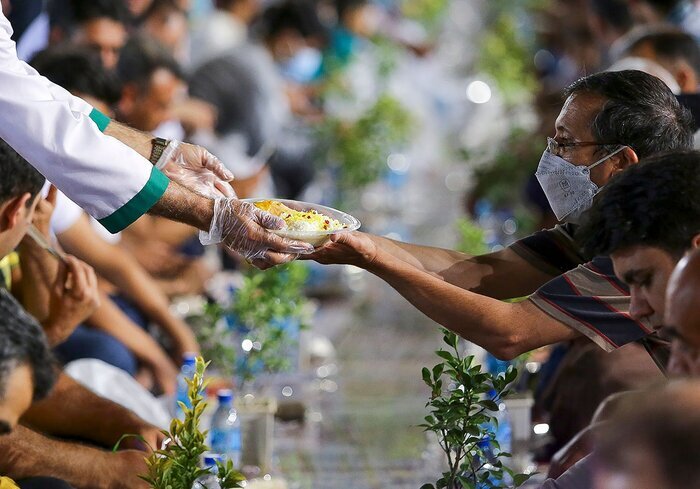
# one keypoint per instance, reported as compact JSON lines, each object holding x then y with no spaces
{"x":71,"y":410}
{"x":183,"y":205}
{"x":426,"y":258}
{"x":504,"y":329}
{"x":110,"y":319}
{"x":135,"y":139}
{"x":25,"y":453}
{"x":39,"y":271}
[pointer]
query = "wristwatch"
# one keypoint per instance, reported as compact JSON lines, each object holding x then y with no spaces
{"x":159,"y":145}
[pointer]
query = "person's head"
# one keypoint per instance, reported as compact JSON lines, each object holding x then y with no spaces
{"x":80,"y":71}
{"x":19,"y":194}
{"x":645,"y":220}
{"x":652,"y":440}
{"x":358,"y":16}
{"x":609,"y":121}
{"x":138,"y":7}
{"x":677,"y":51}
{"x":151,"y":82}
{"x":243,"y":10}
{"x":102,"y":26}
{"x":166,"y":22}
{"x":26,"y":363}
{"x":681,"y":322}
{"x":651,"y":11}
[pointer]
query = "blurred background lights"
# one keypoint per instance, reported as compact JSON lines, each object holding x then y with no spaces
{"x":478,"y":92}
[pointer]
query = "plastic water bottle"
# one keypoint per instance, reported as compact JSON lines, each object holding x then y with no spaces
{"x":211,"y":479}
{"x":225,"y":429}
{"x":186,"y":371}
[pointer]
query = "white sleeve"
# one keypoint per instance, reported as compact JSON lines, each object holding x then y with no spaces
{"x":53,"y":130}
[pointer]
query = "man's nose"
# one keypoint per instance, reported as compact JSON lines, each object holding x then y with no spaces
{"x":640,"y":307}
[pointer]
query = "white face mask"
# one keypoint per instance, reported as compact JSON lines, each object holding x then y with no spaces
{"x":568,"y":187}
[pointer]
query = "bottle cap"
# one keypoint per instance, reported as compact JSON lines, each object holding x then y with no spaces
{"x":189,"y":359}
{"x":224,"y":395}
{"x":211,"y":459}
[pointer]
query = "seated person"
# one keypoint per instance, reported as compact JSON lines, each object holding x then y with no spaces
{"x":646,"y":220}
{"x":70,"y":410}
{"x":651,"y":440}
{"x":609,"y":122}
{"x":26,"y":375}
{"x":101,"y":25}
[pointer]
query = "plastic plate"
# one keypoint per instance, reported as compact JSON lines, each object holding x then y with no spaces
{"x":315,"y":238}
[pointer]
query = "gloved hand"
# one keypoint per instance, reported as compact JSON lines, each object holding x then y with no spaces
{"x":197,"y":169}
{"x":245,"y":229}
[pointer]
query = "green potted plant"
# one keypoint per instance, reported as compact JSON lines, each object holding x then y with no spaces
{"x":464,"y":401}
{"x":257,"y":334}
{"x":177,"y":465}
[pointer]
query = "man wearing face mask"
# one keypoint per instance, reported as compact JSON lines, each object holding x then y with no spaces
{"x":609,"y":121}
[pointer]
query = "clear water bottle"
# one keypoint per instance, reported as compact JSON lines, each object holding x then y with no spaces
{"x":186,"y":371}
{"x":225,"y":429}
{"x":211,"y":479}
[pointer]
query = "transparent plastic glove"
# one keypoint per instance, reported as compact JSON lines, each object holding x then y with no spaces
{"x":245,"y":229}
{"x":197,"y":169}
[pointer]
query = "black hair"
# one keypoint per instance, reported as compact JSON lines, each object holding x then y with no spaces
{"x":78,"y":70}
{"x":664,"y":7}
{"x":22,"y":342}
{"x":158,"y":6}
{"x":297,"y":15}
{"x":143,"y":56}
{"x":615,"y":12}
{"x":18,"y":176}
{"x":87,"y":10}
{"x":672,"y":45}
{"x":640,"y":111}
{"x":655,"y":203}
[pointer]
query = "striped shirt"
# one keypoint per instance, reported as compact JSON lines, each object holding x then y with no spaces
{"x":61,"y":136}
{"x":586,"y":296}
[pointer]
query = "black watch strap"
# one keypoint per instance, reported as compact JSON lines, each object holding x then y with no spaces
{"x":159,"y":145}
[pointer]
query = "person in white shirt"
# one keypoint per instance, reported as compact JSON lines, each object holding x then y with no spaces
{"x":111,"y":178}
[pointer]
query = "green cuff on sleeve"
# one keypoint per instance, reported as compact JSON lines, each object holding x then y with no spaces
{"x":100,"y":119}
{"x":139,"y":204}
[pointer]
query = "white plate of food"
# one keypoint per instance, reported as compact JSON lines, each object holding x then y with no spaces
{"x":307,"y":222}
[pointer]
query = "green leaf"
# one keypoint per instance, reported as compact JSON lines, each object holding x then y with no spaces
{"x":445,"y":355}
{"x":520,"y":479}
{"x":489,"y":404}
{"x":426,"y":376}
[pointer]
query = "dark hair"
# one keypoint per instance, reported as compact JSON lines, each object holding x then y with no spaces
{"x":18,"y":176}
{"x":87,"y":10}
{"x":640,"y":112}
{"x":296,"y":15}
{"x":663,"y":6}
{"x":671,"y":45}
{"x":143,"y":56}
{"x":615,"y":12}
{"x":164,"y":6}
{"x":655,"y":203}
{"x":78,"y":70}
{"x":22,"y":342}
{"x":663,"y":423}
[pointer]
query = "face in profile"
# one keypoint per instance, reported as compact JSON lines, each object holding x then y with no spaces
{"x":646,"y":270}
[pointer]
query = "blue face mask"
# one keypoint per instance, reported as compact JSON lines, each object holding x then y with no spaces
{"x":568,"y":187}
{"x":303,"y":67}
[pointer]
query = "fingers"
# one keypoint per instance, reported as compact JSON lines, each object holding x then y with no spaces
{"x":213,"y":164}
{"x":225,"y":189}
{"x":51,"y":197}
{"x":77,"y":270}
{"x":267,"y":220}
{"x":272,"y":259}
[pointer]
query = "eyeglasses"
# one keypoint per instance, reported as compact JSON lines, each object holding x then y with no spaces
{"x":555,"y":147}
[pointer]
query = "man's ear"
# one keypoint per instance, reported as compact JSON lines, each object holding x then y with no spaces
{"x":696,"y":241}
{"x":624,"y":159}
{"x":11,"y":212}
{"x":686,"y":78}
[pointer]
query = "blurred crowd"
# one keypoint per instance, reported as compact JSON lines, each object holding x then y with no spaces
{"x":245,"y":79}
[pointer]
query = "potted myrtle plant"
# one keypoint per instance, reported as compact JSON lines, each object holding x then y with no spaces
{"x":464,"y":402}
{"x":177,"y":465}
